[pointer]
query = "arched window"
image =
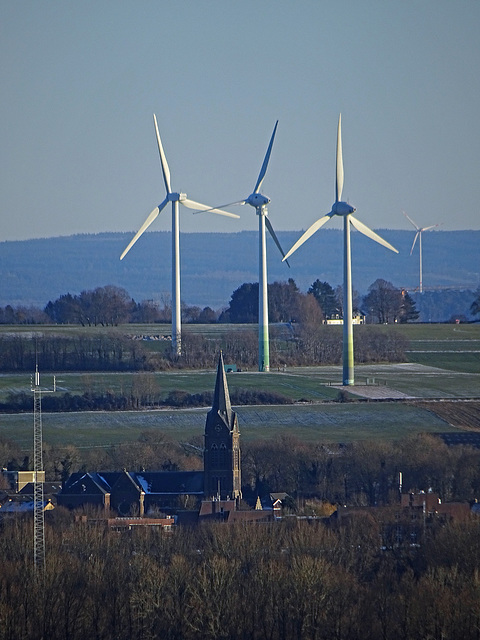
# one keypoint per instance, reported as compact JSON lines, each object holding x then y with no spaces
{"x":214,"y":458}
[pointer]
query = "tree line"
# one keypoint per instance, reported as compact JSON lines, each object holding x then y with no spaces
{"x":297,"y":344}
{"x":111,"y":306}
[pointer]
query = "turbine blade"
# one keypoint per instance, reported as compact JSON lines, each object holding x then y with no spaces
{"x":230,"y":204}
{"x":144,"y":227}
{"x":309,"y":232}
{"x":359,"y":226}
{"x":431,"y":227}
{"x":339,"y":181}
{"x":274,"y":236}
{"x":163,"y":158}
{"x":414,"y":223}
{"x":191,"y":204}
{"x":414,"y":241}
{"x":263,"y":170}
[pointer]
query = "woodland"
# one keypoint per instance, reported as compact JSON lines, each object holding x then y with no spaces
{"x":302,"y":579}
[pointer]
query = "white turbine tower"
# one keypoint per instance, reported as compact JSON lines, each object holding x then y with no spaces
{"x":175,"y":198}
{"x":418,"y":235}
{"x":344,"y":210}
{"x":260,"y":203}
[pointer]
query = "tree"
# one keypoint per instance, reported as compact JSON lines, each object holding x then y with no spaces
{"x":326,"y":298}
{"x":283,"y":301}
{"x":408,"y":311}
{"x":243,"y":306}
{"x":64,"y":310}
{"x":207,"y":316}
{"x":339,"y":297}
{"x":383,"y":301}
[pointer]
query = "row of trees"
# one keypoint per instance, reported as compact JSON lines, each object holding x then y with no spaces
{"x":384,"y":303}
{"x":304,"y":344}
{"x":112,"y":305}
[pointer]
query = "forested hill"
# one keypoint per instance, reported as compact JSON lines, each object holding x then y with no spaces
{"x":213,"y":265}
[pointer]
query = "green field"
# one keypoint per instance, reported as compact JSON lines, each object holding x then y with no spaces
{"x":443,"y":362}
{"x":319,"y":422}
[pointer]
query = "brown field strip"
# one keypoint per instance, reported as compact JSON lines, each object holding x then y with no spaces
{"x":461,"y":414}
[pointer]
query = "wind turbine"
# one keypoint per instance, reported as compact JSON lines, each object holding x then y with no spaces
{"x":260,"y":203}
{"x":418,"y":235}
{"x":344,"y":210}
{"x":175,"y":198}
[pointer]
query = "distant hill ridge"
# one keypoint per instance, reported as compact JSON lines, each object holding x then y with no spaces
{"x":213,"y":265}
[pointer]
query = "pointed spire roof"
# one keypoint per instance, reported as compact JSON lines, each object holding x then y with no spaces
{"x":221,"y":397}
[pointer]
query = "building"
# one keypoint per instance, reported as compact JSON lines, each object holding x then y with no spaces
{"x":138,"y":493}
{"x":222,"y":477}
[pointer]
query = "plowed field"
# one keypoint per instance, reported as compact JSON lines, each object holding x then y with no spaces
{"x":461,"y":414}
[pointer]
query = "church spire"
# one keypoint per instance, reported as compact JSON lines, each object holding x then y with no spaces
{"x":221,"y":397}
{"x":222,"y":471}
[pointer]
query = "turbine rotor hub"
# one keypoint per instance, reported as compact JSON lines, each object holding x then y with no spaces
{"x":342,"y":209}
{"x":257,"y":200}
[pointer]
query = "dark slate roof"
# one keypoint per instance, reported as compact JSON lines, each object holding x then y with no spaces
{"x":49,"y":488}
{"x":93,"y":483}
{"x":170,"y":482}
{"x":151,"y":482}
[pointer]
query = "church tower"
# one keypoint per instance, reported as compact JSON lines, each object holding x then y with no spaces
{"x":222,"y":444}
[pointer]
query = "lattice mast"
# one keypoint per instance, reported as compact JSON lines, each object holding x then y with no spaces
{"x":38,"y":512}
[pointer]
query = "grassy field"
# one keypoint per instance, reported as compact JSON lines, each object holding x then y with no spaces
{"x":443,"y":362}
{"x":312,"y":423}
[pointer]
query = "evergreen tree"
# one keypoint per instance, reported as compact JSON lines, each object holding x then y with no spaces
{"x":326,"y":298}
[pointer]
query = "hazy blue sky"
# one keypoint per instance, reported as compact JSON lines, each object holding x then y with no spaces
{"x":81,"y":80}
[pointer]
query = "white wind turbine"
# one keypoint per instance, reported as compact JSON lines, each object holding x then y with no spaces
{"x":344,"y":210}
{"x":260,"y":203}
{"x":175,"y":198}
{"x":418,"y":235}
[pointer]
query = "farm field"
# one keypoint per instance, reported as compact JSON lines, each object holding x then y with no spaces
{"x":329,"y":422}
{"x":444,"y":363}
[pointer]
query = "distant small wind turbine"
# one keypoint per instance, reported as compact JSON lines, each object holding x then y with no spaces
{"x":345,"y":210}
{"x":174,"y":198}
{"x":418,"y":235}
{"x":260,"y":203}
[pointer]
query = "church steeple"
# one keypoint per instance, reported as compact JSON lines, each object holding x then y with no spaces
{"x":222,"y":447}
{"x":221,"y":397}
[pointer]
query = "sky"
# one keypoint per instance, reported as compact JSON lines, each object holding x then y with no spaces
{"x":81,"y":81}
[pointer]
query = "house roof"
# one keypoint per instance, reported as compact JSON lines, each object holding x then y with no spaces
{"x":150,"y":482}
{"x":24,"y":506}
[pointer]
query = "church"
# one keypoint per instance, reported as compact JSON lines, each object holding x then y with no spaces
{"x":138,"y":493}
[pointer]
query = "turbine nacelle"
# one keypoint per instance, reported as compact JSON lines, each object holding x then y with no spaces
{"x":176,"y":197}
{"x":342,"y":209}
{"x":257,"y":200}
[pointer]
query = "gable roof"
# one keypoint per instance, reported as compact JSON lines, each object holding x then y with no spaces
{"x":150,"y":482}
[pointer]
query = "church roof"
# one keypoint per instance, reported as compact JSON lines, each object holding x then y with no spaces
{"x":150,"y":482}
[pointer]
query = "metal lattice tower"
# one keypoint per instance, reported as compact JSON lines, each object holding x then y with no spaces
{"x":38,"y":512}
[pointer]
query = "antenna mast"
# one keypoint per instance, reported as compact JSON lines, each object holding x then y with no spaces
{"x":38,"y":512}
